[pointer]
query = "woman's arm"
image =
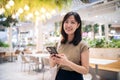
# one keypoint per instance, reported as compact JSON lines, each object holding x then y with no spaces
{"x":83,"y":68}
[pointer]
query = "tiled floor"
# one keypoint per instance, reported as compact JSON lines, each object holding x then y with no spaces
{"x":12,"y":71}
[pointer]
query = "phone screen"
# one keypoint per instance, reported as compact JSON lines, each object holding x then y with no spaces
{"x":52,"y":50}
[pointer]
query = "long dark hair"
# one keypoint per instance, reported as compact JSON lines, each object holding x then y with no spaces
{"x":77,"y":35}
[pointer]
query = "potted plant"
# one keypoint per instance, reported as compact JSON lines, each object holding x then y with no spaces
{"x":31,"y":45}
{"x":101,"y":48}
{"x":3,"y":46}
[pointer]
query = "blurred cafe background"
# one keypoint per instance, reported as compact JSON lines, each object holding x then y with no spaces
{"x":27,"y":27}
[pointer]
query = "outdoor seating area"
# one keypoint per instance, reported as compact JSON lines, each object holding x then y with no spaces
{"x":28,"y":27}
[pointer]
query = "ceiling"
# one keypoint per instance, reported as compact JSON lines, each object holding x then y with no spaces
{"x":101,"y":11}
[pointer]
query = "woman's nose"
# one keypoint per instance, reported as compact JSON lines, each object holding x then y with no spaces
{"x":69,"y":24}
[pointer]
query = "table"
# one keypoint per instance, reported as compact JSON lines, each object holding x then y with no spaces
{"x":97,"y":62}
{"x":40,"y":56}
{"x":2,"y":55}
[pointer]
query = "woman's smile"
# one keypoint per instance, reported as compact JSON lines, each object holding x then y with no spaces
{"x":70,"y":25}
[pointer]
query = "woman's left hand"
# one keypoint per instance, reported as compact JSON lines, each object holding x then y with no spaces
{"x":63,"y":60}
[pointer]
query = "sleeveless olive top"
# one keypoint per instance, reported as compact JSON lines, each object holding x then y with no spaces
{"x":72,"y":52}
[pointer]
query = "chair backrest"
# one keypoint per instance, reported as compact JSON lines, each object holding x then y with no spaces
{"x":34,"y":59}
{"x":45,"y":62}
{"x":17,"y":51}
{"x":24,"y":59}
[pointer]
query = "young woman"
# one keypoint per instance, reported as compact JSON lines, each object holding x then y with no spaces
{"x":73,"y":52}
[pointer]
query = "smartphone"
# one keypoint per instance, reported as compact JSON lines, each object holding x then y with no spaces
{"x":52,"y":50}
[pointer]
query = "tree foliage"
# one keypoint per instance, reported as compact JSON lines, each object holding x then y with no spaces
{"x":7,"y":21}
{"x":34,"y":5}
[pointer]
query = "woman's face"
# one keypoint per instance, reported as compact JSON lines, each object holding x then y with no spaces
{"x":70,"y":25}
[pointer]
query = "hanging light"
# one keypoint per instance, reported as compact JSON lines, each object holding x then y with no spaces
{"x":53,"y":12}
{"x":17,"y":15}
{"x":20,"y":10}
{"x":13,"y":16}
{"x":26,"y":7}
{"x":2,"y":10}
{"x":7,"y":6}
{"x":43,"y":10}
{"x":36,"y":13}
{"x":29,"y":16}
{"x":11,"y":3}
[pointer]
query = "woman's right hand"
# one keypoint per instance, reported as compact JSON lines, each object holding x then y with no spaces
{"x":52,"y":60}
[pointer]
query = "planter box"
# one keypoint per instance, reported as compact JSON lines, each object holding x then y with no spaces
{"x":110,"y":53}
{"x":2,"y":49}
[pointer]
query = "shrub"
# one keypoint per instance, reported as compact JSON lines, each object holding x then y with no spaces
{"x":103,"y":43}
{"x":3,"y":44}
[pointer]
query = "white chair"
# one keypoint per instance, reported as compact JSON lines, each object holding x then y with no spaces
{"x":36,"y":62}
{"x":26,"y":63}
{"x":46,"y":67}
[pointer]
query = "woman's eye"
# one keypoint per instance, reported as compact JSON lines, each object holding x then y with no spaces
{"x":66,"y":21}
{"x":73,"y":22}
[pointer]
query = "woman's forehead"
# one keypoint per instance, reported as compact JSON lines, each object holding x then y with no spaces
{"x":71,"y":17}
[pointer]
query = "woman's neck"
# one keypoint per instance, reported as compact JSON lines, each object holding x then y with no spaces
{"x":70,"y":37}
